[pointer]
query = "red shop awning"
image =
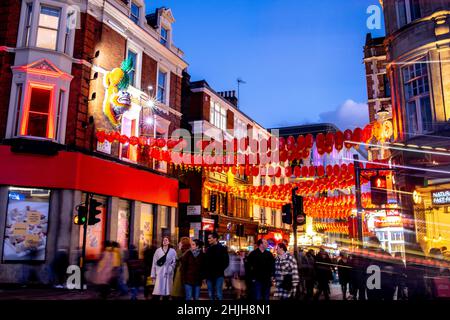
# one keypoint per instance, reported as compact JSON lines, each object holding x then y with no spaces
{"x":77,"y":171}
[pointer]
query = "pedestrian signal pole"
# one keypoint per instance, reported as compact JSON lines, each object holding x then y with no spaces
{"x":83,"y":250}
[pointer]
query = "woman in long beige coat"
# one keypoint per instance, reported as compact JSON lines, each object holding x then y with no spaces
{"x":178,"y":291}
{"x":162,"y":275}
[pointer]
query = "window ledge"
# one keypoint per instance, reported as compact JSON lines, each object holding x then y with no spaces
{"x":32,"y":145}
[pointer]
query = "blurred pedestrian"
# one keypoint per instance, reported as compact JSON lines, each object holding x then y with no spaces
{"x":286,"y":274}
{"x":308,"y":273}
{"x":193,"y":270}
{"x":217,"y":260}
{"x":59,"y":267}
{"x":416,"y":273}
{"x":136,"y":272}
{"x":261,"y":266}
{"x":105,"y":269}
{"x":323,"y":274}
{"x":178,"y":292}
{"x":238,"y":281}
{"x":400,"y":276}
{"x":163,"y":267}
{"x":344,"y":273}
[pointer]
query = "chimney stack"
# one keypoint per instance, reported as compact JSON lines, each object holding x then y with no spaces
{"x":230,"y":96}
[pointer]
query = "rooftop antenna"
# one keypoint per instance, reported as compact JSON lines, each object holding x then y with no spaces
{"x":239,"y":82}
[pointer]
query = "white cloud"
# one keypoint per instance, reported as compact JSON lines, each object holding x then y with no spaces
{"x":348,"y":115}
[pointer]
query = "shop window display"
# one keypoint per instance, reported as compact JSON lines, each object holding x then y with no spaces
{"x":26,"y":225}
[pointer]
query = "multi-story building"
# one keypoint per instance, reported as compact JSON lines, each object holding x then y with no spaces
{"x":70,"y":71}
{"x":210,"y":114}
{"x":417,"y":47}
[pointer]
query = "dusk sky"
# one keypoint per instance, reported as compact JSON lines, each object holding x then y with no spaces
{"x":302,"y":60}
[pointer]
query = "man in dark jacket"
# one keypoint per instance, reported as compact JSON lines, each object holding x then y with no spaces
{"x":323,"y":274}
{"x":217,"y":260}
{"x":261,"y":268}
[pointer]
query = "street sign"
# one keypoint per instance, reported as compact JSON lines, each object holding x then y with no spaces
{"x":301,"y":219}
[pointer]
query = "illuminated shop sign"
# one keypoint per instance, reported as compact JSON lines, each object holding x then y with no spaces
{"x":441,"y":197}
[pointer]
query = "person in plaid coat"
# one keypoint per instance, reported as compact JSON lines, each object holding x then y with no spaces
{"x":286,"y":274}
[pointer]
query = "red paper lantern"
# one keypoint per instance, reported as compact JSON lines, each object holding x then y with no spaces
{"x":329,"y":170}
{"x":134,"y":141}
{"x":301,"y":142}
{"x":336,"y":170}
{"x":367,"y":133}
{"x":124,"y":139}
{"x":278,"y":172}
{"x":110,"y":137}
{"x":255,"y":171}
{"x":281,"y":143}
{"x":283,"y":156}
{"x":297,"y":171}
{"x":101,"y":136}
{"x":339,"y":141}
{"x":160,"y":142}
{"x":305,"y":154}
{"x":309,"y":141}
{"x":348,"y":136}
{"x":312,"y":171}
{"x":288,"y":171}
{"x":305,"y":171}
{"x":320,"y":171}
{"x":116,"y":135}
{"x":356,"y":136}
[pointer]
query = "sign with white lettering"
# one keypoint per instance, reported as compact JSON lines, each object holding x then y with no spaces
{"x":194,"y":210}
{"x":441,"y":197}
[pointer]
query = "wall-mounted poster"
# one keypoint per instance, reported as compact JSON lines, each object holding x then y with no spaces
{"x":26,"y":225}
{"x":123,"y":224}
{"x":146,"y":228}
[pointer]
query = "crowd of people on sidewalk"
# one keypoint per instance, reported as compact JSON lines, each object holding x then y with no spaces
{"x":179,"y":274}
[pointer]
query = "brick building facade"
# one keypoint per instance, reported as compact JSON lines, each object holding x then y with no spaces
{"x":58,"y":64}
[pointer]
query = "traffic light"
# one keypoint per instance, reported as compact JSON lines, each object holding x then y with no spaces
{"x":286,"y":214}
{"x":94,"y":212}
{"x":378,"y":190}
{"x":299,"y":214}
{"x":213,"y":203}
{"x":81,"y":216}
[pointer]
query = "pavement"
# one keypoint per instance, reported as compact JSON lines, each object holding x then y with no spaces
{"x":26,"y":293}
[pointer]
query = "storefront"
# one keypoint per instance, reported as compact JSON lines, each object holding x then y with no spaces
{"x":37,"y":208}
{"x":432,"y":215}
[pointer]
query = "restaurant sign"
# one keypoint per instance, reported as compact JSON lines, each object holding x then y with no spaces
{"x":441,"y":197}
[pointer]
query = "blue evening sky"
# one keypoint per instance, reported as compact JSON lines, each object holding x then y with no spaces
{"x":301,"y":59}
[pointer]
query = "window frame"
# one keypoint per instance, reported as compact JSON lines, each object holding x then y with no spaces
{"x":58,"y":29}
{"x":164,"y":40}
{"x":138,"y":51}
{"x":410,"y":14}
{"x":134,"y":18}
{"x":410,"y":97}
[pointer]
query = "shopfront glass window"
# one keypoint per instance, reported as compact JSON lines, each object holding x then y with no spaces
{"x":417,"y":97}
{"x":27,"y":218}
{"x":123,"y":227}
{"x":146,"y":228}
{"x":95,"y":235}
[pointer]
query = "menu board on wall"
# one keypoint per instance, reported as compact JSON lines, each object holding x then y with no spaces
{"x":26,"y":225}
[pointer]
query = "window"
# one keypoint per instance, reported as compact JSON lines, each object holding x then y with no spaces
{"x":129,"y":128}
{"x":135,"y":12}
{"x":218,"y":116}
{"x":132,"y":74}
{"x":164,"y":36}
{"x":27,"y":218}
{"x":47,"y":32}
{"x":37,"y":122}
{"x":387,"y":86}
{"x":29,"y":14}
{"x":62,"y":95}
{"x":240,"y":128}
{"x":123,"y":223}
{"x":162,"y":85}
{"x":417,"y":97}
{"x":262,"y":213}
{"x":407,"y":11}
